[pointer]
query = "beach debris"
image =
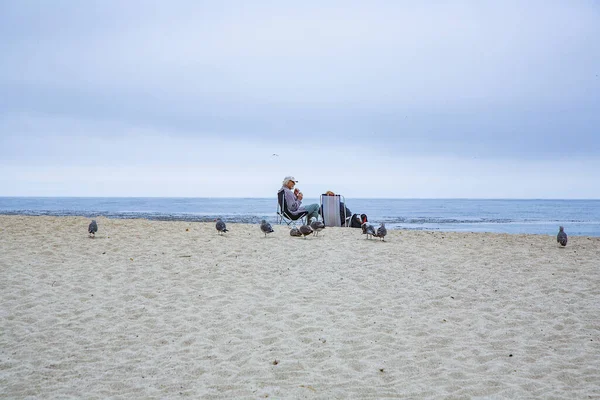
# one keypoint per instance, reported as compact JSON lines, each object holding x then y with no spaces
{"x":381,"y":232}
{"x":305,"y":230}
{"x":317,"y":226}
{"x":295,"y":232}
{"x":92,"y":229}
{"x":187,"y":229}
{"x":308,"y":387}
{"x":561,"y":238}
{"x":368,"y":229}
{"x":220,"y":225}
{"x":266,"y":227}
{"x":275,"y":362}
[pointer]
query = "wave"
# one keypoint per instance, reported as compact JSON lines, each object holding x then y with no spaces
{"x":155,"y":216}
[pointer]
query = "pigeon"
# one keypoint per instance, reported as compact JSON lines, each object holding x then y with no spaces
{"x":295,"y":232}
{"x":93,"y":228}
{"x":317,"y":226}
{"x":561,"y":237}
{"x":368,"y":230}
{"x":266,"y":227}
{"x":381,"y":232}
{"x":220,"y":225}
{"x":305,"y":230}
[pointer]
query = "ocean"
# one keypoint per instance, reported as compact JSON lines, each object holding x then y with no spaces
{"x":579,"y":217}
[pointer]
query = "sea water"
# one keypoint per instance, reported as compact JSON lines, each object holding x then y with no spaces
{"x":579,"y":217}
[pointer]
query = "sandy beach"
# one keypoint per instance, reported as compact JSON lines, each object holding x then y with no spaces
{"x":159,"y":310}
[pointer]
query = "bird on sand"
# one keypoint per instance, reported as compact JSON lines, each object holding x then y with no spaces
{"x":317,"y":226}
{"x":266,"y":227}
{"x":295,"y":232}
{"x":220,"y":225}
{"x":305,"y":230}
{"x":381,"y":232}
{"x":562,"y":236}
{"x":368,"y":229}
{"x":92,"y":228}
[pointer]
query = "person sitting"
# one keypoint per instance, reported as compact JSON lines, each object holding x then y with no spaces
{"x":293,"y":200}
{"x":345,"y":212}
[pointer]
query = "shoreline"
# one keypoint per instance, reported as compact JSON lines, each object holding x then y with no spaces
{"x":153,"y":309}
{"x":253,"y":220}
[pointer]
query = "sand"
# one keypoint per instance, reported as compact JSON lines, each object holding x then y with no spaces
{"x":153,"y":309}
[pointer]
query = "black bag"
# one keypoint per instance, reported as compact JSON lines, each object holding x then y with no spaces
{"x":355,"y":222}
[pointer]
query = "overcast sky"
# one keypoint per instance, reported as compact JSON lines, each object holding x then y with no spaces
{"x":478,"y":99}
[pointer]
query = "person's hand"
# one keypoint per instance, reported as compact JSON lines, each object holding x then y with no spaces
{"x":300,"y":195}
{"x":296,"y":191}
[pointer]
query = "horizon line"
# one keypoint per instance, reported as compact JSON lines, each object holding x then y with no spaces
{"x":261,"y":198}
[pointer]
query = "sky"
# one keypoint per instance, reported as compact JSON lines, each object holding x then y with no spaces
{"x":379,"y":99}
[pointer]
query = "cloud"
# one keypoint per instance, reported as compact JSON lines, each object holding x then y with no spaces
{"x":153,"y":84}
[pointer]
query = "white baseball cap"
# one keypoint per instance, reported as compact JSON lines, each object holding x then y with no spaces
{"x":289,"y":178}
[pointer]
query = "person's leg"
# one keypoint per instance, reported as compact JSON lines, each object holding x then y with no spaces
{"x":313,"y":212}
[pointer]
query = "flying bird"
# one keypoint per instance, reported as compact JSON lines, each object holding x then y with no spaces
{"x":305,"y":230}
{"x":275,"y":155}
{"x":220,"y":225}
{"x":562,"y":236}
{"x":381,"y":232}
{"x":266,"y":227}
{"x":92,"y":228}
{"x":317,"y":226}
{"x":295,"y":232}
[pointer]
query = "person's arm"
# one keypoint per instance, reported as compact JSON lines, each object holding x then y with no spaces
{"x":292,"y":202}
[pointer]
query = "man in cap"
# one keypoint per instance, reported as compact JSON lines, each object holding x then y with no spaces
{"x":293,"y":200}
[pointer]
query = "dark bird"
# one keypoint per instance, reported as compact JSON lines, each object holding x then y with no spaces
{"x":381,"y":232}
{"x":266,"y":227}
{"x":93,"y":228}
{"x":562,"y":236}
{"x":305,"y":230}
{"x":295,"y":232}
{"x":220,"y":225}
{"x":317,"y":226}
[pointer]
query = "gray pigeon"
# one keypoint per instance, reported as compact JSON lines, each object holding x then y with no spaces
{"x":266,"y":227}
{"x":93,"y":228}
{"x":220,"y":225}
{"x":295,"y":232}
{"x":305,"y":230}
{"x":381,"y":232}
{"x":368,"y":230}
{"x":562,"y":236}
{"x":317,"y":226}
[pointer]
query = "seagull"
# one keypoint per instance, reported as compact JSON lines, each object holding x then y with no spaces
{"x":275,"y":155}
{"x":220,"y":225}
{"x":266,"y":227}
{"x":368,"y":229}
{"x":295,"y":232}
{"x":93,"y":228}
{"x":305,"y":230}
{"x":317,"y":227}
{"x":562,"y":236}
{"x":381,"y":232}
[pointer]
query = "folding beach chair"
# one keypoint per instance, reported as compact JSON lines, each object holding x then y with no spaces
{"x":284,"y":214}
{"x":331,"y":210}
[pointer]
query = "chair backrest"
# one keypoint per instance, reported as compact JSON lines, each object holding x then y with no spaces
{"x":330,"y":206}
{"x":284,"y":211}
